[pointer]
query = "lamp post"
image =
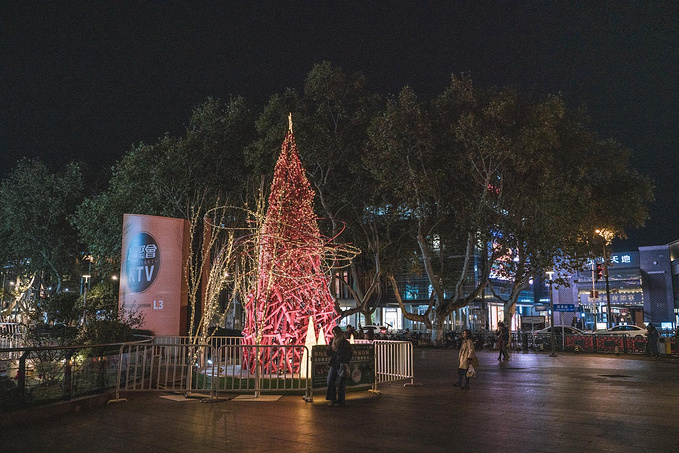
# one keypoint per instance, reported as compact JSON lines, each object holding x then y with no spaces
{"x":86,"y":279}
{"x":608,"y":237}
{"x":609,"y":313}
{"x":550,"y":274}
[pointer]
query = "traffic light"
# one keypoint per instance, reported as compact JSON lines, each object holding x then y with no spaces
{"x":599,"y":271}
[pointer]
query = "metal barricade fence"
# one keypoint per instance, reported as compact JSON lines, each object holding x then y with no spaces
{"x":243,"y":369}
{"x":166,"y":367}
{"x":393,"y":362}
{"x":11,"y":334}
{"x":47,"y":373}
{"x":215,"y":342}
{"x":170,"y":364}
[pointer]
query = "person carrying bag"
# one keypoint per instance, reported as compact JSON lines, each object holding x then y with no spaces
{"x":468,"y":362}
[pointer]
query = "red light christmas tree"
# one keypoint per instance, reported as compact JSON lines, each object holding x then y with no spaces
{"x":292,"y":283}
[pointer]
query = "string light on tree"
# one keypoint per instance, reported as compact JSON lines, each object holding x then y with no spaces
{"x":293,"y":280}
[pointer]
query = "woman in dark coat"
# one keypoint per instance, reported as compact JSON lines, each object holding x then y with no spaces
{"x":652,"y":338}
{"x":340,"y":351}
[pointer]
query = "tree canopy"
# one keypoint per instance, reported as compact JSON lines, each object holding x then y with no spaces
{"x":470,"y":185}
{"x":169,"y":177}
{"x":35,"y":230}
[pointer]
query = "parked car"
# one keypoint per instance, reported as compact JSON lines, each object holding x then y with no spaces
{"x":543,"y":337}
{"x":628,"y":329}
{"x":559,"y":330}
{"x":376,"y":329}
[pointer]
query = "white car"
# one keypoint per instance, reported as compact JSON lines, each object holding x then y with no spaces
{"x":558,"y":330}
{"x":544,"y":336}
{"x":629,"y":329}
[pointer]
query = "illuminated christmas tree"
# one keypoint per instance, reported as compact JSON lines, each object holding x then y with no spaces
{"x":292,"y":283}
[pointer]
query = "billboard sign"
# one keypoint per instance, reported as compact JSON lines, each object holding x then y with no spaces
{"x":152,"y":279}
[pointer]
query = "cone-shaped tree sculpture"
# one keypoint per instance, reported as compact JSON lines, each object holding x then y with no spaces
{"x":292,"y":284}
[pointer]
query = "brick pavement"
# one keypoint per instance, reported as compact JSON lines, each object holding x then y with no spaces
{"x":533,"y":403}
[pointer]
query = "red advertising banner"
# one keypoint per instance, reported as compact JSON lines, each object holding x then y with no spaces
{"x":584,"y":342}
{"x":152,"y":279}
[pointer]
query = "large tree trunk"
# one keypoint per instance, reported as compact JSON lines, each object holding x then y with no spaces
{"x":438,"y":328}
{"x":509,"y":309}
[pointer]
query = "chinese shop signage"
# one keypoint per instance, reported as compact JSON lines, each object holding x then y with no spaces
{"x":152,"y":280}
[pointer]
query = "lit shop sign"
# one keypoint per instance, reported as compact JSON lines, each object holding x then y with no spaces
{"x":619,"y":260}
{"x":143,"y":262}
{"x":616,"y":298}
{"x":629,"y":259}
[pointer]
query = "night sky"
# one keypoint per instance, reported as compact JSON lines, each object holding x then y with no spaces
{"x":86,"y":81}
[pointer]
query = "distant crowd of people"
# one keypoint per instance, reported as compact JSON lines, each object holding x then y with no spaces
{"x":417,"y":338}
{"x":499,"y":339}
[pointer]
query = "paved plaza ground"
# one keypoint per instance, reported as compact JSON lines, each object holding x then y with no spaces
{"x":533,"y":403}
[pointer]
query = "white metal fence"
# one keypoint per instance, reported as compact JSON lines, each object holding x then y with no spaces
{"x":249,"y":368}
{"x":393,"y":362}
{"x":11,"y":334}
{"x":174,"y":364}
{"x":164,"y":367}
{"x":215,"y":341}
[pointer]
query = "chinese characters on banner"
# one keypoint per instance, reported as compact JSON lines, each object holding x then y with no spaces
{"x":152,"y":280}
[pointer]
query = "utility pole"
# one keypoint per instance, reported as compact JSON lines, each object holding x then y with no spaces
{"x":608,"y":291}
{"x":85,"y":282}
{"x":595,"y":298}
{"x":551,"y":313}
{"x":608,"y":236}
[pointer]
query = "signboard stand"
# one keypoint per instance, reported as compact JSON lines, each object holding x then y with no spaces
{"x":362,"y":366}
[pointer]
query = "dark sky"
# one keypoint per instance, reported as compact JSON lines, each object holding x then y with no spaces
{"x":85,"y":81}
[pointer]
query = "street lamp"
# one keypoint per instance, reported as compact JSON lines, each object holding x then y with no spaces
{"x":550,"y":274}
{"x":86,"y":278}
{"x":608,"y":237}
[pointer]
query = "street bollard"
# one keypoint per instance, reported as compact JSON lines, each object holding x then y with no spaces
{"x":524,"y":341}
{"x":664,"y":346}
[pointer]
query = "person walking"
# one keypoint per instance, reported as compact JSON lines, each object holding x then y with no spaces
{"x":652,"y":336}
{"x":505,"y":341}
{"x":466,"y":357}
{"x":339,"y":351}
{"x":500,"y":339}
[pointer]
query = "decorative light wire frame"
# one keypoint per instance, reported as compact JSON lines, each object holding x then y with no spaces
{"x":293,"y":262}
{"x":243,"y":270}
{"x":297,"y":287}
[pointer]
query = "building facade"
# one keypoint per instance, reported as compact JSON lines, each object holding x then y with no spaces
{"x":642,"y":286}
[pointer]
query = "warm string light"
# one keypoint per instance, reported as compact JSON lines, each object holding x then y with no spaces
{"x":292,"y":285}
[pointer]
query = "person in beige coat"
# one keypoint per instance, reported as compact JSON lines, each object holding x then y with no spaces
{"x":467,"y":357}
